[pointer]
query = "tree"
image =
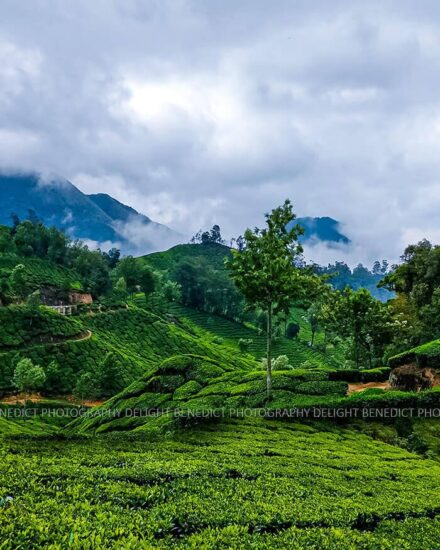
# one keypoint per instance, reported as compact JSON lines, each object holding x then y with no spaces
{"x":18,"y":281}
{"x":147,"y":281}
{"x":112,"y":257}
{"x":292,"y":330}
{"x":130,"y":269}
{"x":313,"y":320}
{"x":265,"y":271}
{"x":417,"y":279}
{"x":87,"y":387}
{"x":208,"y":237}
{"x":111,"y":376}
{"x":365,"y":321}
{"x":27,"y":376}
{"x":7,"y":245}
{"x":120,"y":288}
{"x":171,"y":291}
{"x":34,"y":300}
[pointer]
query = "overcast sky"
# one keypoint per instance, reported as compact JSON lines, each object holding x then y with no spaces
{"x":197,"y":112}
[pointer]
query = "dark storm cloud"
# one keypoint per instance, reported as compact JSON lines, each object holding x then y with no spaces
{"x":203,"y":112}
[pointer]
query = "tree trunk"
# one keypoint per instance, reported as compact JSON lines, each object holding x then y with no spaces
{"x":269,"y":352}
{"x":313,"y":338}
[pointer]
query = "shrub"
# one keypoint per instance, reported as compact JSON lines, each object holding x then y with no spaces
{"x":244,"y":344}
{"x":27,"y":376}
{"x":292,"y":330}
{"x":323,"y":388}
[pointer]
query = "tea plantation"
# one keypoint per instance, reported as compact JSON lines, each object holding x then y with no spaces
{"x":243,"y":484}
{"x":297,"y":350}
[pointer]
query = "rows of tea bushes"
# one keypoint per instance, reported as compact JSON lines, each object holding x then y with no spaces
{"x":40,"y":272}
{"x":190,"y":385}
{"x":426,"y":355}
{"x":237,"y":484}
{"x":230,"y":332}
{"x":23,"y":326}
{"x":143,"y":334}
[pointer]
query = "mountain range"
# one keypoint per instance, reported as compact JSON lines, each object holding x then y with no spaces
{"x":101,"y":220}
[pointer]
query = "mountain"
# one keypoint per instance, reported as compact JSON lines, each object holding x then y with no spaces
{"x":99,"y":218}
{"x":321,"y":229}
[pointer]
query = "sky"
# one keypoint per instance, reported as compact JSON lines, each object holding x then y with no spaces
{"x":203,"y":112}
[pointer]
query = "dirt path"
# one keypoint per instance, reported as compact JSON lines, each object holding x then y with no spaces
{"x":22,"y":398}
{"x":355,"y":388}
{"x":79,"y":338}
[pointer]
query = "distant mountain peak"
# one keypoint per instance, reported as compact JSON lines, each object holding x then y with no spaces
{"x":99,"y":218}
{"x":323,"y":229}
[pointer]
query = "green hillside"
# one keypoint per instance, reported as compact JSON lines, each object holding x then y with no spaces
{"x":40,"y":272}
{"x":213,"y":253}
{"x":297,"y":350}
{"x":139,"y":339}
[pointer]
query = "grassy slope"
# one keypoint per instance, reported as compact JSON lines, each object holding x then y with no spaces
{"x":236,"y":484}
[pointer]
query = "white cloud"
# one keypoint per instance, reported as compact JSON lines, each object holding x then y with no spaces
{"x":202,"y":112}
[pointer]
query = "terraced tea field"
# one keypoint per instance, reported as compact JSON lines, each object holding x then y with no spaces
{"x":297,"y":349}
{"x":241,"y":484}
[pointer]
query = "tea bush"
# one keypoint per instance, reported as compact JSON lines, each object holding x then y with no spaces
{"x":236,"y":484}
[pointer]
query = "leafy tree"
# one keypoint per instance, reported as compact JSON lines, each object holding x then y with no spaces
{"x":366,"y":322}
{"x":112,"y":257}
{"x":93,"y":268}
{"x":110,"y":377}
{"x":244,"y":344}
{"x":265,"y":271}
{"x":171,"y":291}
{"x":208,"y":237}
{"x":57,"y":249}
{"x":280,"y":363}
{"x":87,"y":387}
{"x":292,"y":330}
{"x":18,"y":281}
{"x":27,"y":376}
{"x":120,"y":288}
{"x":312,"y":317}
{"x":34,"y":300}
{"x":7,"y":245}
{"x":130,"y":269}
{"x":53,"y":377}
{"x":417,"y":279}
{"x":147,"y":281}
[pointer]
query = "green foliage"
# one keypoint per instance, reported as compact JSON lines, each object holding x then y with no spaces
{"x":417,"y":278}
{"x":87,"y":386}
{"x":427,"y":355}
{"x":27,"y":376}
{"x":23,"y":326}
{"x":237,"y":484}
{"x":366,"y":322}
{"x":244,"y":343}
{"x":323,"y":388}
{"x":265,"y":271}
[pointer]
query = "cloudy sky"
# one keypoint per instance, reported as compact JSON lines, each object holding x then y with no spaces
{"x":197,"y":112}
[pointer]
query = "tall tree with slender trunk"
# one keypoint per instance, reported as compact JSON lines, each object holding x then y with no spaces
{"x":265,"y":270}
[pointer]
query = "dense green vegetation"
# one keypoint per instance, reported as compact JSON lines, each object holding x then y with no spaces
{"x":247,"y":483}
{"x":427,"y":355}
{"x":189,"y":450}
